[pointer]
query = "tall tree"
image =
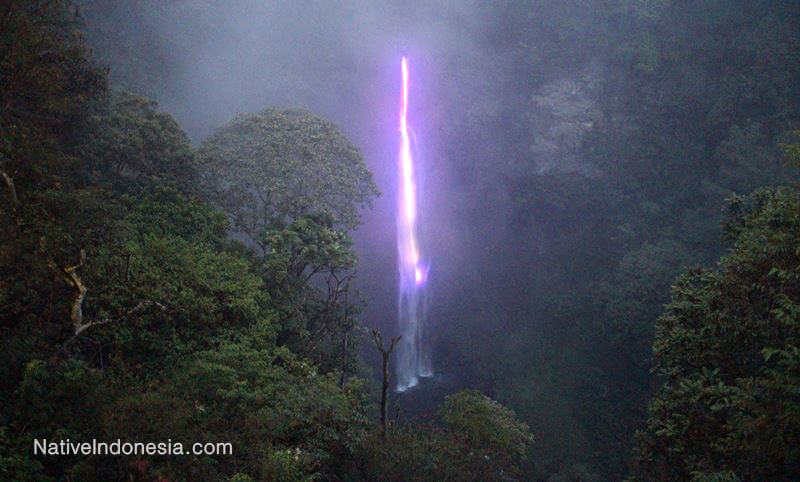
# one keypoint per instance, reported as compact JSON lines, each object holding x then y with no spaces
{"x":270,"y":168}
{"x":727,"y":351}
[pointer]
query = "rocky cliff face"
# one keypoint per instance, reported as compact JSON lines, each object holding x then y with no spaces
{"x":561,"y":113}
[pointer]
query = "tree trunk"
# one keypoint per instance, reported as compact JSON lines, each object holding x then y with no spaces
{"x":376,"y":335}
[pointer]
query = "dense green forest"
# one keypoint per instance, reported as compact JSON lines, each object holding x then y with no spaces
{"x":622,"y":300}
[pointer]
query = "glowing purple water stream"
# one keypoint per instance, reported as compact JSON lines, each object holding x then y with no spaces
{"x":413,"y":356}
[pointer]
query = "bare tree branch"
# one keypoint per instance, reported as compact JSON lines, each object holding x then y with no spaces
{"x":76,"y":312}
{"x":376,"y":336}
{"x":71,"y":275}
{"x":12,"y":190}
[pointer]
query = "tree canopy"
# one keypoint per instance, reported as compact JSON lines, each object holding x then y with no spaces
{"x":726,"y":350}
{"x":276,"y":166}
{"x":585,"y":153}
{"x":127,"y":311}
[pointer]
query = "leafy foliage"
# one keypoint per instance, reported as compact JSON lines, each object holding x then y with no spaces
{"x":126,"y":310}
{"x":276,"y":410}
{"x":477,"y":439}
{"x":276,"y":166}
{"x":136,"y":145}
{"x":726,"y":349}
{"x":486,"y":423}
{"x":308,"y":265}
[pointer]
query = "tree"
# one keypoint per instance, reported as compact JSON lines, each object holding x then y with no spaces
{"x":277,"y":166}
{"x":385,"y":374}
{"x":135,"y":146}
{"x":125,"y":309}
{"x":281,"y":416}
{"x":48,"y":83}
{"x":485,"y":423}
{"x":308,"y":267}
{"x":48,"y":88}
{"x":727,"y":350}
{"x":292,"y":184}
{"x":475,"y":438}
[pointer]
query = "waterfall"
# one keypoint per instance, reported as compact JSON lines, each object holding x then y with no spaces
{"x":413,"y":351}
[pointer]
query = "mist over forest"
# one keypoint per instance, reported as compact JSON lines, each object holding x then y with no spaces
{"x":201,"y":212}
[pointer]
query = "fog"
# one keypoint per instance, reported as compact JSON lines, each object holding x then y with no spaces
{"x":573,"y":158}
{"x":488,"y":107}
{"x":582,"y":266}
{"x":207,"y":61}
